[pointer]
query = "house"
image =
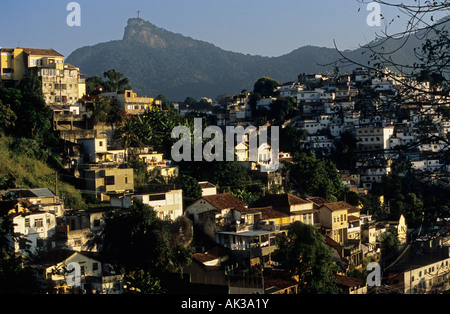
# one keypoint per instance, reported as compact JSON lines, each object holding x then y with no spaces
{"x":101,"y":180}
{"x":340,"y":222}
{"x":168,"y":204}
{"x":90,"y":274}
{"x":208,"y":188}
{"x":96,"y":150}
{"x":131,"y":103}
{"x":351,"y":285}
{"x":156,"y":164}
{"x":82,"y":230}
{"x":422,"y":268}
{"x":297,"y":208}
{"x":334,"y":219}
{"x":273,"y":219}
{"x":223,"y":202}
{"x":32,"y":229}
{"x":372,"y":138}
{"x":41,"y":198}
{"x":255,"y":245}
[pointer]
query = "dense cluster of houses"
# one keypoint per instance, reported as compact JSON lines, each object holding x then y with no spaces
{"x":234,"y":242}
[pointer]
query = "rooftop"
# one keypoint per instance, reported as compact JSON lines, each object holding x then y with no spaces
{"x":226,"y":201}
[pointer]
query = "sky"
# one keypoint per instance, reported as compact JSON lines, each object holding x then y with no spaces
{"x":256,"y":27}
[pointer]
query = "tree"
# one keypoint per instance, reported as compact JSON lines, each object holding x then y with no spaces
{"x":292,"y":138}
{"x":309,"y":258}
{"x":282,"y":109}
{"x":94,"y":85}
{"x":7,"y":117}
{"x":265,"y":86}
{"x":317,"y":176}
{"x":14,"y":278}
{"x":189,"y":185}
{"x":116,"y":81}
{"x":33,"y":116}
{"x":137,"y":240}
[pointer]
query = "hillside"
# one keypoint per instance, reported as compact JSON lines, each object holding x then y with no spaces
{"x":21,"y":168}
{"x":158,"y":61}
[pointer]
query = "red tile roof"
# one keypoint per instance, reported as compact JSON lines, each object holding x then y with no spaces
{"x":339,"y":206}
{"x":226,"y":201}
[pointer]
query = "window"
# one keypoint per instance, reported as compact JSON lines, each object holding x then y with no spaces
{"x":94,"y":266}
{"x":27,"y":222}
{"x":109,"y":180}
{"x":100,"y":143}
{"x":38,"y":223}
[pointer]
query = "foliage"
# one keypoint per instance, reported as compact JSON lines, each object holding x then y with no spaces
{"x":189,"y":185}
{"x":14,"y":278}
{"x":282,"y":109}
{"x":345,"y":153}
{"x":309,"y":258}
{"x":292,"y":137}
{"x":317,"y":177}
{"x":142,"y":283}
{"x":106,"y":110}
{"x":33,"y":117}
{"x":265,"y":87}
{"x":20,"y":167}
{"x":7,"y":117}
{"x":138,"y":240}
{"x":116,"y":81}
{"x":153,"y":128}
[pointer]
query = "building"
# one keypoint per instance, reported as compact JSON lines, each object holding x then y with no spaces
{"x":297,"y":208}
{"x":32,"y":229}
{"x":62,"y":83}
{"x":423,"y":268}
{"x":40,"y":198}
{"x":168,"y":204}
{"x":102,"y":180}
{"x":339,"y":221}
{"x":90,"y":275}
{"x":221,"y":202}
{"x":208,"y":188}
{"x":131,"y":103}
{"x":372,"y":138}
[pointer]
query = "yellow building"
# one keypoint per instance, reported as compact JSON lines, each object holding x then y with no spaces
{"x":62,"y":83}
{"x":334,"y":219}
{"x":131,"y":103}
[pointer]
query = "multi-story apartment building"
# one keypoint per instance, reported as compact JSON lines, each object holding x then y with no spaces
{"x":62,"y":83}
{"x":372,"y":138}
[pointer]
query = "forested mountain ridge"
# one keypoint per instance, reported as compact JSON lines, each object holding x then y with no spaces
{"x":158,"y":61}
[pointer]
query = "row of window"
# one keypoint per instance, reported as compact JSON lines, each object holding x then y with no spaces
{"x":339,"y":218}
{"x":430,"y":270}
{"x":37,"y":222}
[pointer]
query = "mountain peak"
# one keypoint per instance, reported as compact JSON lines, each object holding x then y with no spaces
{"x":139,"y":30}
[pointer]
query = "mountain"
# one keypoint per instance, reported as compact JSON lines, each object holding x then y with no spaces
{"x":158,"y":61}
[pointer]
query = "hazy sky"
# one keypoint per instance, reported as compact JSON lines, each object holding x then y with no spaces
{"x":264,"y":27}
